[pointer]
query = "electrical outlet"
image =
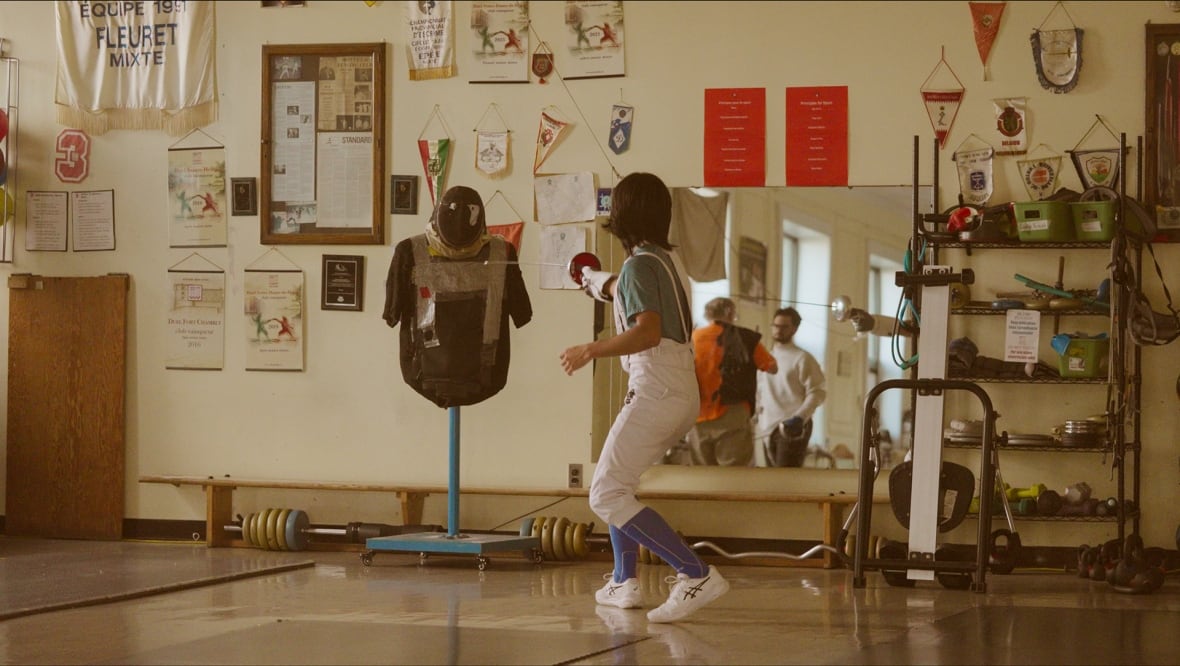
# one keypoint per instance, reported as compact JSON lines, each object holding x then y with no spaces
{"x":575,"y":475}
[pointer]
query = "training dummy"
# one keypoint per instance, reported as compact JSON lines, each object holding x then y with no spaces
{"x":452,"y":290}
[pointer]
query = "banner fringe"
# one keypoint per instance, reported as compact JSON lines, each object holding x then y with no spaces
{"x":175,"y":124}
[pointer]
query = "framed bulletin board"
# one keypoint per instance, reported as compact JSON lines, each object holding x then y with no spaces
{"x":323,"y":144}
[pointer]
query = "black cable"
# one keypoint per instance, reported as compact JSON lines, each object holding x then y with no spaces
{"x":558,"y":501}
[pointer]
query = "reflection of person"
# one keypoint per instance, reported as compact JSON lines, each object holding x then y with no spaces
{"x":728,"y":358}
{"x":652,"y":340}
{"x":787,"y":400}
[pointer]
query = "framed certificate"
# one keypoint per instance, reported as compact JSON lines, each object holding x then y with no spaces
{"x":343,"y":283}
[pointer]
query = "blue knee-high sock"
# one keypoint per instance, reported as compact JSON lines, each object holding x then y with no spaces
{"x":626,"y":554}
{"x":651,"y":530}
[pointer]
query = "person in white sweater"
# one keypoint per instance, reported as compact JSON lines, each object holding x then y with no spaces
{"x":787,"y":400}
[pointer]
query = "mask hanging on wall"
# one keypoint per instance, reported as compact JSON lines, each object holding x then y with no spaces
{"x":1057,"y":54}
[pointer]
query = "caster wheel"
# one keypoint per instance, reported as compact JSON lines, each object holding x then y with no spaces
{"x":482,"y":563}
{"x":367,"y":558}
{"x":422,"y":558}
{"x":538,"y":556}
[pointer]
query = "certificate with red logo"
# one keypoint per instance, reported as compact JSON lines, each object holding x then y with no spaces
{"x":817,"y":135}
{"x":735,"y":137}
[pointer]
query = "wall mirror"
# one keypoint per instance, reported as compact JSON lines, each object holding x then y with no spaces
{"x":820,"y":242}
{"x":323,"y":144}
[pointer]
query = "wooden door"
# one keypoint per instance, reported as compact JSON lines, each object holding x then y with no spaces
{"x":66,"y":384}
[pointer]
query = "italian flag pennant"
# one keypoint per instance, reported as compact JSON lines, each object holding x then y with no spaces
{"x":436,"y":155}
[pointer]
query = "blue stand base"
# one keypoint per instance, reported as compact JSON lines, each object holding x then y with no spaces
{"x":455,"y":544}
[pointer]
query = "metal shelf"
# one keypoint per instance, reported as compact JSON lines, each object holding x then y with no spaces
{"x":1055,"y":448}
{"x":1045,"y":311}
{"x":1017,"y":245}
{"x":1034,"y":380}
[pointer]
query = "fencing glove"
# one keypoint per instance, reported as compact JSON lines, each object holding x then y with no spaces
{"x":594,"y":283}
{"x":862,"y":322}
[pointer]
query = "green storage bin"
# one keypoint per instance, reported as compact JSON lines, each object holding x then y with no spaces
{"x":1043,"y":221}
{"x":1093,"y":220}
{"x":1081,"y":356}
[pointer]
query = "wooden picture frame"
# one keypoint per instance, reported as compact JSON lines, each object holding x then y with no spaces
{"x":343,"y":283}
{"x":323,"y":144}
{"x":403,"y":193}
{"x":244,"y":196}
{"x":1161,"y":161}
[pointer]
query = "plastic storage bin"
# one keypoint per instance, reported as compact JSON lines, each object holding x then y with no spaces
{"x":1081,"y":356}
{"x":1093,"y":220}
{"x":1043,"y":221}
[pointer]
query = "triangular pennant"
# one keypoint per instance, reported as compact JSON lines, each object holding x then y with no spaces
{"x":985,"y":16}
{"x":942,"y":106}
{"x":547,"y":135}
{"x":1039,"y":175}
{"x":435,"y":154}
{"x":1096,"y":166}
{"x":942,"y":102}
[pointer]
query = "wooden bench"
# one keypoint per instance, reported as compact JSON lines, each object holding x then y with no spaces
{"x":219,"y":501}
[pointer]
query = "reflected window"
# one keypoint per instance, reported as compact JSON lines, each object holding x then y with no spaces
{"x":884,"y":297}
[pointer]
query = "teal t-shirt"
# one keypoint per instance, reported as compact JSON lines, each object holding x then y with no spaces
{"x":644,"y":286}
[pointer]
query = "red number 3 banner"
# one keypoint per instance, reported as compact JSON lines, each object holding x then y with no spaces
{"x":73,"y":163}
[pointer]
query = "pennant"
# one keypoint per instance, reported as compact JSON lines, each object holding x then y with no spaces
{"x":491,"y":152}
{"x":542,"y":62}
{"x":547,"y":135}
{"x":430,"y":39}
{"x":620,"y":128}
{"x":1057,"y":55}
{"x":942,"y":106}
{"x":435,"y":154}
{"x":985,"y":17}
{"x":942,"y":102}
{"x":1095,"y":167}
{"x":975,"y":174}
{"x":1010,"y":117}
{"x":509,"y":232}
{"x":1039,"y":175}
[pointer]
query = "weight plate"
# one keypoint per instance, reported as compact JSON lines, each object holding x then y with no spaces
{"x":557,"y":539}
{"x":536,"y":531}
{"x":568,"y":541}
{"x":582,"y":548}
{"x":547,"y":538}
{"x":281,"y":529}
{"x":272,"y":539}
{"x":246,"y":529}
{"x":255,"y":534}
{"x":291,"y":530}
{"x":302,"y":524}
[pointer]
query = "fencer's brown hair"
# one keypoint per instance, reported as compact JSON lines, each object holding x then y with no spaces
{"x":640,"y":211}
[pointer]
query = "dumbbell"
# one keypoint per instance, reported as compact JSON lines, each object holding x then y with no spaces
{"x":1089,"y":507}
{"x":1032,"y":492}
{"x":1049,"y":503}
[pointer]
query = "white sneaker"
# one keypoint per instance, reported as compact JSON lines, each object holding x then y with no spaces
{"x":623,"y":595}
{"x":689,"y":595}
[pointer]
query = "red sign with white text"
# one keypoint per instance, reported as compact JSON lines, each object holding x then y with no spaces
{"x":735,"y":137}
{"x":817,"y":135}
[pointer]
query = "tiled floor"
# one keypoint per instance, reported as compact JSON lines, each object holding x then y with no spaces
{"x":446,"y":611}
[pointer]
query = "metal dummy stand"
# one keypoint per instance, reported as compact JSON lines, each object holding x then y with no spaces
{"x":452,"y":542}
{"x":931,"y":384}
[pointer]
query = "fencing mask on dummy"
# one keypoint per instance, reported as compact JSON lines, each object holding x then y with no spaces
{"x":458,"y":221}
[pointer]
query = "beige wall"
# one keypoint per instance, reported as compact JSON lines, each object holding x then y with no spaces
{"x":349,"y":417}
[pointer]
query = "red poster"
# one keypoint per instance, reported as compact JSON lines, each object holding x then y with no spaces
{"x":735,"y":137}
{"x":817,"y":135}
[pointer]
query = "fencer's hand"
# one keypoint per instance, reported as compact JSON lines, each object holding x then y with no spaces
{"x":574,"y":358}
{"x":862,"y":322}
{"x":594,"y":283}
{"x":793,"y":426}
